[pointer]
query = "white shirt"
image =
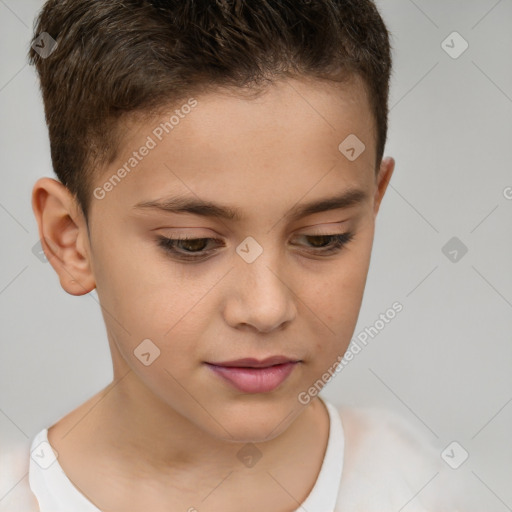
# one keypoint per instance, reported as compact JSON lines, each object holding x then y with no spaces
{"x":374,"y":462}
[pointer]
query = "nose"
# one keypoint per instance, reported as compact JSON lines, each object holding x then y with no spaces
{"x":259,"y":296}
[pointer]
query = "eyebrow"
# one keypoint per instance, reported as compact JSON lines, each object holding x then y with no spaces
{"x":197,"y":206}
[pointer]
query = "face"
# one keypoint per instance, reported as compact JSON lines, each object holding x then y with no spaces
{"x":276,"y":265}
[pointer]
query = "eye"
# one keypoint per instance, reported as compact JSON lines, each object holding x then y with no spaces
{"x":196,"y":248}
{"x":328,"y":244}
{"x":186,"y":248}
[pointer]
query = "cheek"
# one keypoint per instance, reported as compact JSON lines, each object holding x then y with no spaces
{"x":144,"y":296}
{"x":336,"y":297}
{"x":342,"y":286}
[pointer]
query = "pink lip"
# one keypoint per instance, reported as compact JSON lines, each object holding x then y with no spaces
{"x":253,"y":376}
{"x":250,"y":362}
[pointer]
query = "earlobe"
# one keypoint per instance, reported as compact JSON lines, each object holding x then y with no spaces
{"x":63,"y":235}
{"x":387,"y":167}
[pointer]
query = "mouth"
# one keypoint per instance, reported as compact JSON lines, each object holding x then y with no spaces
{"x":250,"y":362}
{"x":251,"y":375}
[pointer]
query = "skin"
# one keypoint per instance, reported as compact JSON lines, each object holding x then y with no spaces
{"x":166,"y":436}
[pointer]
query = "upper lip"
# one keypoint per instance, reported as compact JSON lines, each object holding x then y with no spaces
{"x":250,"y":362}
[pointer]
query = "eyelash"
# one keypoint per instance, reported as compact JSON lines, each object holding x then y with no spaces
{"x":338,"y":241}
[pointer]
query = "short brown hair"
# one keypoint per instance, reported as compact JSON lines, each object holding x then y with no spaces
{"x":121,"y":57}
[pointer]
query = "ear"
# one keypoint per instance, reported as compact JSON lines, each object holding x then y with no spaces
{"x":63,"y":234}
{"x":387,"y":167}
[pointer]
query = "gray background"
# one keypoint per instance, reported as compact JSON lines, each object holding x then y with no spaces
{"x":444,"y":362}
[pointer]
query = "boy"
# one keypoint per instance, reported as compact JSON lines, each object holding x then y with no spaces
{"x":221,"y":168}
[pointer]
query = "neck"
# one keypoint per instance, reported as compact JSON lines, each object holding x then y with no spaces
{"x":138,"y":425}
{"x":125,"y":438}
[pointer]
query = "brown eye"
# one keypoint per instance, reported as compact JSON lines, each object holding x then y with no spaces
{"x":193,"y":244}
{"x":321,"y":240}
{"x":187,"y":248}
{"x":327,"y":244}
{"x":196,"y":248}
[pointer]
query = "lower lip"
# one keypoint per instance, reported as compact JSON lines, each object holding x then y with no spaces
{"x":255,"y":380}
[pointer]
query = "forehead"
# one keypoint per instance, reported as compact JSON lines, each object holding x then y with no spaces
{"x":303,"y":108}
{"x":286,"y":137}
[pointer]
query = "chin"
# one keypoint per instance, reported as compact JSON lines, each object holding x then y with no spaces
{"x":255,"y":422}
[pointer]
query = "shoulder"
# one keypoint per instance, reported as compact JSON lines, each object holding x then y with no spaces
{"x":390,"y":461}
{"x":15,"y":492}
{"x":383,"y":431}
{"x":377,"y":437}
